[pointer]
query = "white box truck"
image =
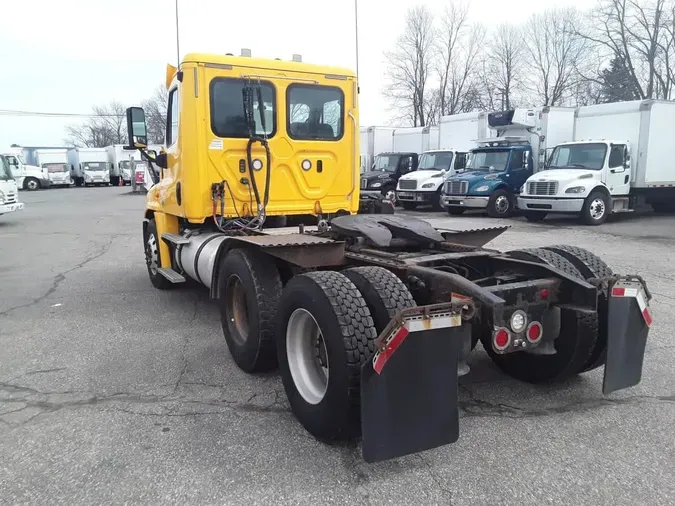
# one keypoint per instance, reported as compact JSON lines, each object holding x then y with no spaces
{"x":89,"y":166}
{"x":414,"y":139}
{"x":120,"y":164}
{"x":27,"y":177}
{"x":498,"y":167}
{"x":375,"y":140}
{"x":621,"y":157}
{"x":55,"y":161}
{"x":9,"y":192}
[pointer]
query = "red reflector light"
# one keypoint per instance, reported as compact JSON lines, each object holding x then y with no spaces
{"x":544,"y":293}
{"x":647,"y":316}
{"x":501,"y":339}
{"x":534,"y":332}
{"x":618,"y":292}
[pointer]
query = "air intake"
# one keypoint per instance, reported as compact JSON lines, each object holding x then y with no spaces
{"x":246,"y":52}
{"x":297,"y":57}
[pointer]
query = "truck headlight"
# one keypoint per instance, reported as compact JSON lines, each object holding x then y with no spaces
{"x":522,"y":189}
{"x":483,"y":188}
{"x":2,"y":198}
{"x":428,"y":185}
{"x":376,"y":185}
{"x":87,"y":177}
{"x":576,"y":189}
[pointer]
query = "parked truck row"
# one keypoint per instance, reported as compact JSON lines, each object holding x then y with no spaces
{"x":591,"y":161}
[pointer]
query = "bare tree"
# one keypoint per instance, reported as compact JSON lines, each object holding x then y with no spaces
{"x":155,"y":114}
{"x":556,"y":51}
{"x":458,"y":48}
{"x":640,"y":34}
{"x":106,"y":126}
{"x":503,"y":65}
{"x":409,"y":67}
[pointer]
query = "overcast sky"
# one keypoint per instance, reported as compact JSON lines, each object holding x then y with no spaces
{"x":67,"y":55}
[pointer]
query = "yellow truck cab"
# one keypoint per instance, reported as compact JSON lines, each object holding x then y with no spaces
{"x":370,"y":318}
{"x":309,"y":120}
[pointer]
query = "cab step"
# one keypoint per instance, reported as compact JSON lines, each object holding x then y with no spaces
{"x":171,"y":275}
{"x":175,"y":238}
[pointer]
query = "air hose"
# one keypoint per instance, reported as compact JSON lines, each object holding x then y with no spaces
{"x":253,"y":138}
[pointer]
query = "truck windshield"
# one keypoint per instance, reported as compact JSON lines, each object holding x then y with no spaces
{"x":5,"y":172}
{"x":438,"y":160}
{"x":386,"y":163}
{"x":93,"y":166}
{"x":584,"y":156}
{"x":488,"y":160}
{"x":55,"y":167}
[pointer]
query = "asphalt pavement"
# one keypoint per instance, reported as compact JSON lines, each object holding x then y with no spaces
{"x":114,"y":392}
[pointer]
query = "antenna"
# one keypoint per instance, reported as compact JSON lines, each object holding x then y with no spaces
{"x":177,"y":40}
{"x":356,"y":26}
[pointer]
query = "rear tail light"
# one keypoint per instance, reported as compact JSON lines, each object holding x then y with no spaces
{"x":501,"y":339}
{"x":534,"y":332}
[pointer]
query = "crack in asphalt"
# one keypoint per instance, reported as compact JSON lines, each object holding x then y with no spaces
{"x":60,"y":277}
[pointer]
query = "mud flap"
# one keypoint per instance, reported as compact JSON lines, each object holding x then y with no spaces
{"x":409,"y":391}
{"x":629,"y":319}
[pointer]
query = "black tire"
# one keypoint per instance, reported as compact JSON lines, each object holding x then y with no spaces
{"x":78,"y":182}
{"x":574,"y":345}
{"x":455,"y":211}
{"x":384,"y":293}
{"x":534,"y":216}
{"x":437,"y":203}
{"x":249,"y":287}
{"x":152,"y":263}
{"x":115,"y":180}
{"x":590,"y":204}
{"x":590,"y":266}
{"x":409,"y":206}
{"x":501,"y":204}
{"x":348,"y":336}
{"x":31,"y":184}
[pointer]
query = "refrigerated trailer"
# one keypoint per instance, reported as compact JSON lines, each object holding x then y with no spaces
{"x":621,"y":157}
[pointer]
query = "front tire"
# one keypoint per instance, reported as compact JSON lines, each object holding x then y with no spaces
{"x":249,"y":287}
{"x":325,"y":333}
{"x":31,"y":184}
{"x":456,"y":211}
{"x":409,"y":206}
{"x":501,"y":204}
{"x":153,"y":259}
{"x":596,"y":209}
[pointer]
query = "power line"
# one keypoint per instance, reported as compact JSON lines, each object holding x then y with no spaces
{"x":12,"y":112}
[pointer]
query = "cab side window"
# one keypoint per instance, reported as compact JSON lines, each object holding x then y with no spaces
{"x":616,"y":156}
{"x":516,"y":161}
{"x":172,"y":118}
{"x":12,"y":161}
{"x":460,"y":161}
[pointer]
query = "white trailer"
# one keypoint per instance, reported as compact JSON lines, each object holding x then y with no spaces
{"x":89,"y":166}
{"x":55,"y":161}
{"x":375,"y":140}
{"x":620,"y":157}
{"x":120,"y":164}
{"x":412,"y":140}
{"x":461,"y":131}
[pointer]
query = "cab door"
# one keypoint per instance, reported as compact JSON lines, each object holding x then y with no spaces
{"x":169,"y":187}
{"x":618,"y":174}
{"x":520,"y":168}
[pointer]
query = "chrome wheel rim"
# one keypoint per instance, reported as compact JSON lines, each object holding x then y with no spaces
{"x":597,"y":208}
{"x":307,"y":356}
{"x":32,"y":185}
{"x":502,"y":204}
{"x":152,"y":255}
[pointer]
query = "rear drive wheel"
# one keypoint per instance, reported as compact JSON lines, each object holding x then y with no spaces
{"x":574,"y":345}
{"x":153,"y":259}
{"x":456,"y":211}
{"x":409,"y":206}
{"x":31,"y":184}
{"x":384,"y":293}
{"x":324,"y":335}
{"x":590,"y":266}
{"x":534,"y":215}
{"x":596,"y":209}
{"x":501,"y":204}
{"x":249,"y":288}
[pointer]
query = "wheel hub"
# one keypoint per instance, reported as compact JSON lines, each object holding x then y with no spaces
{"x":152,"y":255}
{"x":502,"y":204}
{"x":597,"y":209}
{"x":307,"y":356}
{"x":237,"y":309}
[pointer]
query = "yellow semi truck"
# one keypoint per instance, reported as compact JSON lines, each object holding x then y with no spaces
{"x":369,"y":317}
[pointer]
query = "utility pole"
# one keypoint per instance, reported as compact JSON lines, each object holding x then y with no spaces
{"x":177,"y":40}
{"x":356,"y":26}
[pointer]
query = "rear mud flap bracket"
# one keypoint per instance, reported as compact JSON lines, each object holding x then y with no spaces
{"x":409,"y":392}
{"x":629,"y":319}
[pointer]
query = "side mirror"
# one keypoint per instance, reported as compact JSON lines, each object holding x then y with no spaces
{"x":443,"y":171}
{"x":136,"y":129}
